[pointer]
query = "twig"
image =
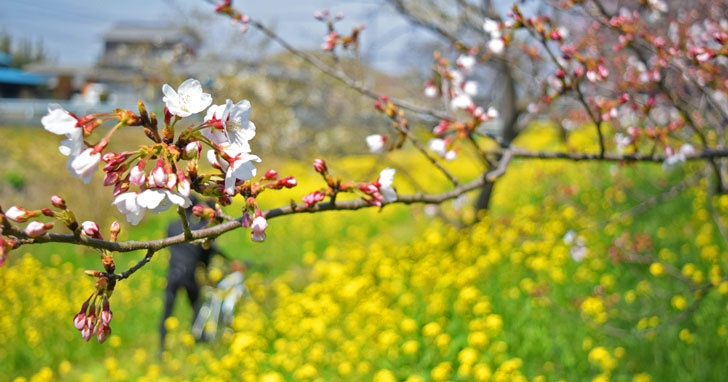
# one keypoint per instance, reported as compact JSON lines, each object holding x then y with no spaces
{"x":136,"y":267}
{"x":185,"y":224}
{"x":427,"y":155}
{"x":608,"y":157}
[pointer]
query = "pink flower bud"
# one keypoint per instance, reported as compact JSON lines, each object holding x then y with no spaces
{"x":191,"y":150}
{"x":3,"y":251}
{"x":58,"y":202}
{"x":104,"y":333}
{"x":259,"y":224}
{"x":90,"y":228}
{"x":258,"y":229}
{"x":79,"y":321}
{"x":183,"y":186}
{"x":271,"y":175}
{"x":258,"y":237}
{"x":320,"y":166}
{"x":106,"y":313}
{"x":288,"y":182}
{"x":167,"y":116}
{"x":246,"y":220}
{"x":171,"y":181}
{"x":121,"y":188}
{"x":87,"y":332}
{"x":313,"y":198}
{"x":136,"y":175}
{"x":36,"y":228}
{"x":159,"y":176}
{"x":18,"y":214}
{"x":48,"y":212}
{"x":115,"y":229}
{"x":111,"y":178}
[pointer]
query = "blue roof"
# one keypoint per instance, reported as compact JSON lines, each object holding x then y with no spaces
{"x":19,"y":77}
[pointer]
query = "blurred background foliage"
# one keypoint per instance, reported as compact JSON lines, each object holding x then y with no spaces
{"x":638,"y":294}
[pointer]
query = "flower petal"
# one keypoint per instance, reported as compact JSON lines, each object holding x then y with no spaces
{"x":151,"y":198}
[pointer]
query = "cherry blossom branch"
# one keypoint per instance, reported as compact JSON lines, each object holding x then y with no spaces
{"x":215,"y":231}
{"x":421,"y":148}
{"x":338,"y":74}
{"x":577,"y":86}
{"x":609,"y":157}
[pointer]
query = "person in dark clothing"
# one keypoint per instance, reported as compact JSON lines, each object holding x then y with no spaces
{"x":183,"y":263}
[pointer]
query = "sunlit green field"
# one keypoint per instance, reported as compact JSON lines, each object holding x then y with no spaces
{"x":398,"y":294}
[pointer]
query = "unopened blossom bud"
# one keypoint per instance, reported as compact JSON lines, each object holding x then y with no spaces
{"x":288,"y":182}
{"x":159,"y":176}
{"x":36,"y":228}
{"x":108,"y":263}
{"x":111,"y":178}
{"x":320,"y":166}
{"x":3,"y":251}
{"x":58,"y":202}
{"x":87,"y":331}
{"x":93,"y":273}
{"x":104,"y":333}
{"x":48,"y":212}
{"x":258,"y":227}
{"x":79,"y":321}
{"x":121,"y":188}
{"x":171,"y":181}
{"x":167,"y":116}
{"x":271,"y":175}
{"x":20,"y":214}
{"x":205,"y":213}
{"x":313,"y":198}
{"x":183,"y":186}
{"x":115,"y":229}
{"x":191,"y":150}
{"x":136,"y":175}
{"x":246,"y":220}
{"x":106,"y":313}
{"x":90,"y":229}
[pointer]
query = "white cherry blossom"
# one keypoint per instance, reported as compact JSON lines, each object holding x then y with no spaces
{"x":58,"y":121}
{"x":376,"y":143}
{"x":160,"y":199}
{"x":187,"y":100}
{"x":386,"y":178}
{"x":127,"y":204}
{"x":85,"y":164}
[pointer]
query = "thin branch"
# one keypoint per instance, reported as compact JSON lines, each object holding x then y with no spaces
{"x":147,"y":258}
{"x":339,"y":74}
{"x":608,"y":157}
{"x":185,"y":224}
{"x":427,"y":155}
{"x":212,"y":232}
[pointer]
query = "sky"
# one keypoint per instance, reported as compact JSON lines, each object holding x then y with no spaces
{"x":71,"y":30}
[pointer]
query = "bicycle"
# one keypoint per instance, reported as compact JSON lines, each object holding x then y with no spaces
{"x":218,"y":306}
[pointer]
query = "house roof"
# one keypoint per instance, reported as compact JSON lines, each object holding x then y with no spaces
{"x":147,"y":33}
{"x":19,"y":77}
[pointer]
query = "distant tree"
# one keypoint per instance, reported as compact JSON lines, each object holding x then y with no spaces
{"x":23,"y":51}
